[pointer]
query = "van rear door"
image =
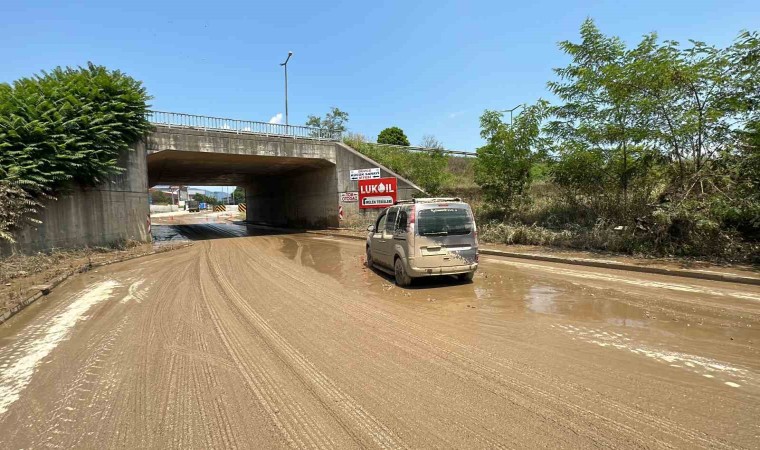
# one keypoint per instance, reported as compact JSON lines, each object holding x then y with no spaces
{"x":445,"y":236}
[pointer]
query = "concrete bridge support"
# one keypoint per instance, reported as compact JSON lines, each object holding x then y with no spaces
{"x":304,"y":199}
{"x":117,"y":210}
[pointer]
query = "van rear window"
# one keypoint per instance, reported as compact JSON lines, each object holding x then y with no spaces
{"x":444,"y":221}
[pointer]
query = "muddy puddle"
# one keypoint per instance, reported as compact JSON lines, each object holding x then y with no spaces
{"x":501,"y":289}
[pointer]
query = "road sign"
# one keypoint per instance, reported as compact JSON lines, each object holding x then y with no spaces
{"x":349,"y":197}
{"x":364,"y":174}
{"x":379,"y":193}
{"x":340,"y":212}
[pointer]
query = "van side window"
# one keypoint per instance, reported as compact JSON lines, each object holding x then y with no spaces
{"x":380,"y":223}
{"x":390,"y":224}
{"x":401,"y":223}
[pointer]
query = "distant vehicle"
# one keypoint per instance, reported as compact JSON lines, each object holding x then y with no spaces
{"x":424,"y":237}
{"x":193,"y":206}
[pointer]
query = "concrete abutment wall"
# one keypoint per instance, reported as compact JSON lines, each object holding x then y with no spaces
{"x":117,"y":210}
{"x":307,"y":199}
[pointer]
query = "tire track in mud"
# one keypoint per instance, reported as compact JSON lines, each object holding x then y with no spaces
{"x":295,"y":425}
{"x":195,"y":369}
{"x":340,"y":404}
{"x":434,"y":354}
{"x":492,"y":379}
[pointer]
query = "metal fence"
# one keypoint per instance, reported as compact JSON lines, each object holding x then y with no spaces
{"x":181,"y":120}
{"x":412,"y":148}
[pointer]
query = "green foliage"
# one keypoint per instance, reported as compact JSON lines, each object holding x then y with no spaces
{"x":198,"y":197}
{"x":393,"y":136}
{"x":67,"y":126}
{"x":503,"y":167}
{"x":334,"y":121}
{"x":160,"y":198}
{"x":17,"y":207}
{"x":238,"y":195}
{"x":427,"y":170}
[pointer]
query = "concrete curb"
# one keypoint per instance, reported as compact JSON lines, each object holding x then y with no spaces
{"x":47,"y":288}
{"x":728,"y":278}
{"x":627,"y":267}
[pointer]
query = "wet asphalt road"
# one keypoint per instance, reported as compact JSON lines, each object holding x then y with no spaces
{"x":254,"y":339}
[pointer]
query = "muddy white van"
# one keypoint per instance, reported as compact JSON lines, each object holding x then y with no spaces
{"x":424,"y":237}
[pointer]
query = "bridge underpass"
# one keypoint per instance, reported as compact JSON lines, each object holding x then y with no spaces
{"x":280,"y":190}
{"x":293,"y":177}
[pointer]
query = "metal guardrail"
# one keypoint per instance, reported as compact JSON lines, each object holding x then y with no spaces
{"x":181,"y":120}
{"x":426,"y":149}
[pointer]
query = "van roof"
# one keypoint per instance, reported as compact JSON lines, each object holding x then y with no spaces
{"x":430,"y":200}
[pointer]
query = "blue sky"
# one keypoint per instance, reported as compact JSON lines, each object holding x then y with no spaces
{"x":429,"y":67}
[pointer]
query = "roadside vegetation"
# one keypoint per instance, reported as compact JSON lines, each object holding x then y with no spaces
{"x":60,"y":129}
{"x":652,"y":149}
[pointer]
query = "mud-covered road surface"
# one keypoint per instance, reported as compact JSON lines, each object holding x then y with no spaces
{"x":253,"y":339}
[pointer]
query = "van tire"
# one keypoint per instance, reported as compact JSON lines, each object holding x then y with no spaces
{"x":402,"y":279}
{"x":466,"y":277}
{"x":370,"y":263}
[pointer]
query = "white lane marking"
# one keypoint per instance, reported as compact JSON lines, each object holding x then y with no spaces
{"x":708,"y":368}
{"x":15,"y":378}
{"x":633,"y":281}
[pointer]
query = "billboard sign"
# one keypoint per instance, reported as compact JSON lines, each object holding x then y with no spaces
{"x":349,"y":197}
{"x":378,"y":193}
{"x":364,"y":174}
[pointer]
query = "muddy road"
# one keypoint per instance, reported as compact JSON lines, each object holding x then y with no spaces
{"x":249,"y":339}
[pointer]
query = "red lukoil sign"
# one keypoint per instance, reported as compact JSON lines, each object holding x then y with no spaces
{"x":377,"y":193}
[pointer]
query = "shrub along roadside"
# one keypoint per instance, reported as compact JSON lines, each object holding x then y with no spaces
{"x":63,"y":128}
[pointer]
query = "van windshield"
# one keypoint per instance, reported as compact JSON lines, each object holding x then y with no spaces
{"x":444,"y":221}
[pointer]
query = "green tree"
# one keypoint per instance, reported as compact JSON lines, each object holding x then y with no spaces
{"x":601,"y":113}
{"x":333,"y":123}
{"x":238,"y":195}
{"x":695,"y":98}
{"x":198,"y":197}
{"x":68,"y":126}
{"x":160,"y":198}
{"x":503,"y":167}
{"x":393,"y":136}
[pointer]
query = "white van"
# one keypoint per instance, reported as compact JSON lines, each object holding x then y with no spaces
{"x":424,"y":237}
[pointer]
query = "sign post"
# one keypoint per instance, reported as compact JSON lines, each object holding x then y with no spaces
{"x":377,"y":193}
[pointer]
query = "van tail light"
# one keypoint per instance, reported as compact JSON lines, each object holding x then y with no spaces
{"x":411,"y":216}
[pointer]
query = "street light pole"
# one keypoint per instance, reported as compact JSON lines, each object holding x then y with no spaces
{"x":285,"y":64}
{"x":511,"y":111}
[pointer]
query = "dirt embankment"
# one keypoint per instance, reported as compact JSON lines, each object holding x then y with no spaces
{"x":21,"y":276}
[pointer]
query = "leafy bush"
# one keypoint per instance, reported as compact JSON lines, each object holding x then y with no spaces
{"x":65,"y":127}
{"x":393,"y":136}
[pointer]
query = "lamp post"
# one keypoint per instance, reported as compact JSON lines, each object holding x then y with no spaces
{"x":511,"y":111}
{"x":285,"y":64}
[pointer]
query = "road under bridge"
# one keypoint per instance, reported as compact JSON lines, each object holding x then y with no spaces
{"x":293,"y":177}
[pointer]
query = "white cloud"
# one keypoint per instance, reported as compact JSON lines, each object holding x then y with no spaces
{"x":277,"y":118}
{"x":455,"y":114}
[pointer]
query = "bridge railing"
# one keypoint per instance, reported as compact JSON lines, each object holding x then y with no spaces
{"x":415,"y":149}
{"x":182,"y":120}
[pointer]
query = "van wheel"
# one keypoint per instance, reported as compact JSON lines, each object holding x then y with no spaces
{"x":402,"y":279}
{"x":370,"y":263}
{"x":466,"y":277}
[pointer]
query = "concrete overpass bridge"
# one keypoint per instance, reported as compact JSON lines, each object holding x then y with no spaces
{"x":293,"y":177}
